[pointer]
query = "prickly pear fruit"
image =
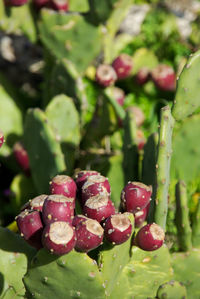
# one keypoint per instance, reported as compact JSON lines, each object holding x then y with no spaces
{"x":82,"y":176}
{"x":95,"y":185}
{"x":150,"y":237}
{"x":89,"y":235}
{"x":99,"y":207}
{"x":117,"y":228}
{"x":37,"y":202}
{"x":135,"y":196}
{"x":164,"y":77}
{"x":123,"y":65}
{"x":15,"y":2}
{"x":119,"y":95}
{"x":140,"y":217}
{"x":40,"y":3}
{"x":30,"y":227}
{"x":59,"y":237}
{"x":142,"y":76}
{"x":77,"y":219}
{"x":63,"y":184}
{"x":138,"y":115}
{"x":1,"y":138}
{"x":58,"y":208}
{"x":59,"y":5}
{"x":105,"y":75}
{"x":21,"y":157}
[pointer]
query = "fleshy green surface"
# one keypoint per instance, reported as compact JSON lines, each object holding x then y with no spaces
{"x":44,"y":151}
{"x":186,"y":270}
{"x":147,"y":271}
{"x":73,"y":275}
{"x":187,"y":93}
{"x":172,"y":289}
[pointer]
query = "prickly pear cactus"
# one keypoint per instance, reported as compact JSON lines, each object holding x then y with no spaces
{"x":172,"y":289}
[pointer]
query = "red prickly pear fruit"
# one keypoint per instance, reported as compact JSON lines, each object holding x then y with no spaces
{"x":123,"y":65}
{"x":164,"y":77}
{"x":15,"y":2}
{"x":59,"y":5}
{"x":119,"y":95}
{"x":63,"y":184}
{"x":105,"y":75}
{"x":1,"y":138}
{"x":99,"y":207}
{"x":140,"y":217}
{"x":95,"y":185}
{"x":21,"y":157}
{"x":117,"y":228}
{"x":137,"y":114}
{"x":135,"y":196}
{"x":77,"y":219}
{"x":89,"y":235}
{"x":30,"y":227}
{"x":82,"y":176}
{"x":58,"y":208}
{"x":140,"y":139}
{"x":59,"y":237}
{"x":150,"y":237}
{"x":40,"y":3}
{"x":142,"y":76}
{"x":37,"y":202}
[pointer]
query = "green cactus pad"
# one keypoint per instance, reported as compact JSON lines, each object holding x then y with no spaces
{"x":79,"y":5}
{"x":64,"y":119}
{"x":144,"y":58}
{"x":115,"y":258}
{"x":11,"y":129}
{"x":186,"y":270}
{"x":10,"y":293}
{"x":163,"y":166}
{"x":147,"y":271}
{"x":74,"y":275}
{"x":69,"y":36}
{"x":186,"y":144}
{"x":14,"y":257}
{"x":45,"y":155}
{"x":22,"y":189}
{"x":187,"y":93}
{"x":172,"y":289}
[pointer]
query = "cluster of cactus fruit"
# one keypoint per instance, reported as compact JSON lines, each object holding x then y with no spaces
{"x":79,"y":239}
{"x":49,"y":220}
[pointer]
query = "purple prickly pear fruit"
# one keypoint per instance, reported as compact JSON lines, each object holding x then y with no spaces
{"x":15,"y":2}
{"x":30,"y":227}
{"x":140,"y":217}
{"x":150,"y":237}
{"x":95,"y":185}
{"x":63,"y":184}
{"x":140,"y":139}
{"x":37,"y":202}
{"x":138,"y":115}
{"x":21,"y":157}
{"x":59,"y":237}
{"x":89,"y":235}
{"x":40,"y":3}
{"x":59,"y":5}
{"x":117,"y":228}
{"x":164,"y":77}
{"x":58,"y":208}
{"x":119,"y":95}
{"x":99,"y":207}
{"x":1,"y":138}
{"x":123,"y":65}
{"x":82,"y":176}
{"x":78,"y":218}
{"x":105,"y":75}
{"x":135,"y":196}
{"x":142,"y":76}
